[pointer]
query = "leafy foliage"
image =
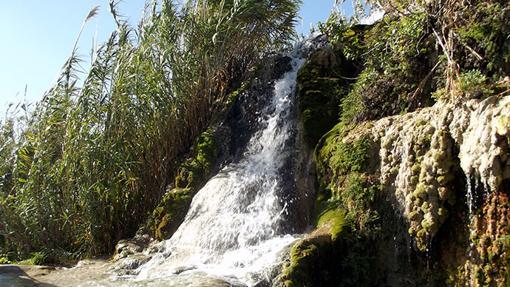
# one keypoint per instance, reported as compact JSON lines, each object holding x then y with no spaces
{"x":95,"y":159}
{"x":473,"y":83}
{"x":399,"y":64}
{"x":419,"y":52}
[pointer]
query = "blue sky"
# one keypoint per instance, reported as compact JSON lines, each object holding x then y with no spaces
{"x":37,"y":37}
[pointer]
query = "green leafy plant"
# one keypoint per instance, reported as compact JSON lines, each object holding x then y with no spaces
{"x":474,"y":84}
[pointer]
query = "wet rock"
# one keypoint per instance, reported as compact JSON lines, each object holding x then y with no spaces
{"x":129,"y":264}
{"x":308,"y":260}
{"x":23,"y":276}
{"x":242,"y":120}
{"x":443,"y":177}
{"x":124,"y":248}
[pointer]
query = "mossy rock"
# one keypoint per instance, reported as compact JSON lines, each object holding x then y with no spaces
{"x":323,"y":257}
{"x":306,"y":265}
{"x":334,"y":220}
{"x":321,"y":84}
{"x":304,"y":257}
{"x":346,"y":213}
{"x":337,"y":158}
{"x":191,"y":175}
{"x":170,"y":212}
{"x":195,"y":169}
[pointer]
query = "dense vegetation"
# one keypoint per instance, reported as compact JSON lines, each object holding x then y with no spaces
{"x":419,"y":53}
{"x":92,"y":160}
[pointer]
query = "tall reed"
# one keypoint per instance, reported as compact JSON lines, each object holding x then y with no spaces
{"x":94,"y":159}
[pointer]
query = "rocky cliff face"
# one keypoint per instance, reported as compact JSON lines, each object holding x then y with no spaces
{"x":420,"y":199}
{"x":413,"y":171}
{"x":445,"y":164}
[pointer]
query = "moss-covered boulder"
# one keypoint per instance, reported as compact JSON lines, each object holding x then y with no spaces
{"x":193,"y":172}
{"x":170,"y":212}
{"x":308,"y":263}
{"x":191,"y":176}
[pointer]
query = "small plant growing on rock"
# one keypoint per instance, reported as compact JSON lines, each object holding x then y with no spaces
{"x":473,"y":84}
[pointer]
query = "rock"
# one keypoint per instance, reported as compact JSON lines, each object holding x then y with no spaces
{"x":132,"y":246}
{"x":128,"y":264}
{"x":23,"y":276}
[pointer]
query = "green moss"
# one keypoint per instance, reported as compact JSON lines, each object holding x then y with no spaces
{"x":414,"y":179}
{"x":415,"y":215}
{"x":429,"y":224}
{"x":420,"y":191}
{"x":443,"y":180}
{"x":421,"y":122}
{"x":342,"y":157}
{"x":195,"y":169}
{"x":416,"y":168}
{"x":334,"y":220}
{"x":321,"y":84}
{"x":394,"y":170}
{"x":345,"y":208}
{"x":302,"y":257}
{"x":169,"y":214}
{"x":341,"y":167}
{"x":425,"y":207}
{"x":232,"y":97}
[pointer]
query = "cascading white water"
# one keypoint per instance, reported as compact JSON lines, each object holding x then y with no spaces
{"x":234,"y":226}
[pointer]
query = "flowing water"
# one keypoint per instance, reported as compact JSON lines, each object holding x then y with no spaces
{"x":235,"y":226}
{"x":238,"y":227}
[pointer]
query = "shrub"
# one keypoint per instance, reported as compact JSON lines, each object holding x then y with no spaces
{"x":398,"y":65}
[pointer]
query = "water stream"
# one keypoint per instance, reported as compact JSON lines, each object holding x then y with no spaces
{"x":235,"y":226}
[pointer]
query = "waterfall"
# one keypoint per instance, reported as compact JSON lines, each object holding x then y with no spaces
{"x":235,"y":226}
